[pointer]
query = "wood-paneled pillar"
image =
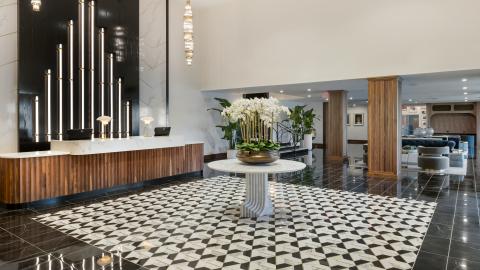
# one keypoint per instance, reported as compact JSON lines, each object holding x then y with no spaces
{"x":335,"y":122}
{"x":477,"y":130}
{"x":384,"y":126}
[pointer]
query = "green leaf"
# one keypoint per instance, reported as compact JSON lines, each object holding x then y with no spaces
{"x":215,"y":109}
{"x":223,"y":102}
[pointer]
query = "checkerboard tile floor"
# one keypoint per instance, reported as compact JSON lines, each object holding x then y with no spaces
{"x":196,"y":225}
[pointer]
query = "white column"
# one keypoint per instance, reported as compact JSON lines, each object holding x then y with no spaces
{"x":91,"y":51}
{"x":101,"y":52}
{"x":119,"y":82}
{"x":60,"y":89}
{"x":48,"y":102}
{"x":81,"y":58}
{"x":111,"y":83}
{"x":70,"y":71}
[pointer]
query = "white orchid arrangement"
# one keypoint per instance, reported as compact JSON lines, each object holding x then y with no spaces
{"x":269,"y":110}
{"x":256,"y":118}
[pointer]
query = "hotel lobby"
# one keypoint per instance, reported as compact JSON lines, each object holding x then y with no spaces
{"x":228,"y":134}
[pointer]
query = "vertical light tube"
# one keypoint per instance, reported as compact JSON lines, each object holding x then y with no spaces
{"x":119,"y":107}
{"x":81,"y":48}
{"x":127,"y":115}
{"x":60,"y":89}
{"x":70,"y":70}
{"x":91,"y":37}
{"x":48,"y":96}
{"x":37,"y":127}
{"x":110,"y":82}
{"x":101,"y":51}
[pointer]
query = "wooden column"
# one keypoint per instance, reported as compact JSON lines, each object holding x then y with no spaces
{"x":477,"y":130}
{"x":336,"y":129}
{"x":384,"y":126}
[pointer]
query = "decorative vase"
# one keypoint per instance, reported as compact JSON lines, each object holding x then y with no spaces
{"x":231,"y":153}
{"x":258,"y":157}
{"x":419,"y":132}
{"x":307,"y":141}
{"x":429,"y":132}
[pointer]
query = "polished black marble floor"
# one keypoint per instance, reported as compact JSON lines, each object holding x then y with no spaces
{"x":452,"y":240}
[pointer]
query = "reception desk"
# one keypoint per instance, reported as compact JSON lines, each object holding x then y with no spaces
{"x":73,"y":167}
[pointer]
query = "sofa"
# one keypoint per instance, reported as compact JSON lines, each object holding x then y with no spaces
{"x":426,"y":142}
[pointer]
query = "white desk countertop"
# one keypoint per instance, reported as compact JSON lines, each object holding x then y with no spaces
{"x":101,"y":146}
{"x":33,"y":154}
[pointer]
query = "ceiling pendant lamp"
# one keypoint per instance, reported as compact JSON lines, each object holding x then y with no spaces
{"x":188,"y":33}
{"x":36,"y":5}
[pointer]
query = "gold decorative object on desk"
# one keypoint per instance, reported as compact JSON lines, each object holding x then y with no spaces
{"x":104,"y":120}
{"x":147,"y":120}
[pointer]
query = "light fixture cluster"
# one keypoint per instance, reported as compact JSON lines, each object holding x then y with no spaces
{"x":188,"y":32}
{"x":87,"y":88}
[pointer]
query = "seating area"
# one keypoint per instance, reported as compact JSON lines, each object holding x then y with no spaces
{"x":435,"y":155}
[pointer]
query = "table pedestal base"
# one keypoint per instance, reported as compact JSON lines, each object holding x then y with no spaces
{"x":257,"y":198}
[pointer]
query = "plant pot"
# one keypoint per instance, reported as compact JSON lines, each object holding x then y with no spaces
{"x":307,"y":141}
{"x":260,"y":157}
{"x":231,"y":153}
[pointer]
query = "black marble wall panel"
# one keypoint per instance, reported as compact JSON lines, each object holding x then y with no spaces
{"x":39,"y":34}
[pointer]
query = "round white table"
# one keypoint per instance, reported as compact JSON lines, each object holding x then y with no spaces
{"x":257,"y":196}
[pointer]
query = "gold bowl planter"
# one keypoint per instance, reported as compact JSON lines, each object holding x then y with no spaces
{"x":259,"y":157}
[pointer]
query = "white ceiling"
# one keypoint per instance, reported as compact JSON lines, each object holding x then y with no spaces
{"x":421,"y":88}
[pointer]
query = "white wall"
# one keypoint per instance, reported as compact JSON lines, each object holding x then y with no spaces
{"x":8,"y":76}
{"x":357,"y":132}
{"x":273,"y":42}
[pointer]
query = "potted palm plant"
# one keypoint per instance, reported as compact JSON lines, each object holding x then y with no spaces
{"x":302,"y":125}
{"x":296,"y":118}
{"x":229,"y":128}
{"x":308,"y":130}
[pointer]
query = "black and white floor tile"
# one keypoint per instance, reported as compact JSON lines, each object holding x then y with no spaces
{"x":196,"y":225}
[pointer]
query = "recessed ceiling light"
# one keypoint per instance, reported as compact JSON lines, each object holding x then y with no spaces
{"x":465,"y":93}
{"x":410,"y":100}
{"x":309,"y":96}
{"x":465,"y":88}
{"x":281,"y":91}
{"x":464,"y":79}
{"x":309,"y":89}
{"x":351,"y":98}
{"x":326,"y":99}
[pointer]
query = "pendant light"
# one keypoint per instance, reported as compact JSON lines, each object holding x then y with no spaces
{"x":188,"y":32}
{"x":36,"y":5}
